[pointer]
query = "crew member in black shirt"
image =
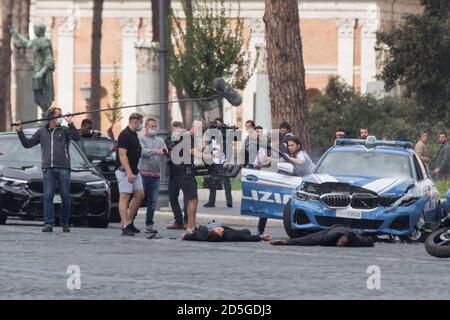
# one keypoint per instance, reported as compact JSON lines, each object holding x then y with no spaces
{"x":127,"y":173}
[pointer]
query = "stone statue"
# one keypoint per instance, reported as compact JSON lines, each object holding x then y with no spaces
{"x":43,"y":65}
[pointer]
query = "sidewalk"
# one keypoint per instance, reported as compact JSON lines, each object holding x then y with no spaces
{"x":220,"y":213}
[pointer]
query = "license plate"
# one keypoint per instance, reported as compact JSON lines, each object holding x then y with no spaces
{"x":57,"y":199}
{"x":352,"y":214}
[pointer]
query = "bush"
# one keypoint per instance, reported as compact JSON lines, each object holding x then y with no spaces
{"x":387,"y":118}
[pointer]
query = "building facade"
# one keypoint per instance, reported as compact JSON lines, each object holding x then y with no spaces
{"x":338,"y":39}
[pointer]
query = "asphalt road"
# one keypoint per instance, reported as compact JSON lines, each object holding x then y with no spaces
{"x":33,"y":265}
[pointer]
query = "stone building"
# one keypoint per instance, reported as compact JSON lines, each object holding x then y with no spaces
{"x":338,"y":39}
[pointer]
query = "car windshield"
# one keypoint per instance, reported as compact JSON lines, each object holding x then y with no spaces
{"x":99,"y":149}
{"x":362,"y":163}
{"x":14,"y":155}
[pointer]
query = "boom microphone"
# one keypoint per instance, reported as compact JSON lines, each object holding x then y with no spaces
{"x":227,"y":92}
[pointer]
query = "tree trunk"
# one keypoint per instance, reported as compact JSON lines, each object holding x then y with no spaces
{"x":5,"y":63}
{"x":285,"y":67}
{"x":96,"y":50}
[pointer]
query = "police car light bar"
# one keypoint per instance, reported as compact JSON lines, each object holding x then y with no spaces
{"x":372,"y":141}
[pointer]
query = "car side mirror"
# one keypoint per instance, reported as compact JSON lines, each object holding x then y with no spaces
{"x":286,"y":167}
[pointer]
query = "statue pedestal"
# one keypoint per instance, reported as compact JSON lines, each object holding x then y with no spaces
{"x":26,"y":108}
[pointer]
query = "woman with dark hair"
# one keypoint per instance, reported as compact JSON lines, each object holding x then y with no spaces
{"x":298,"y":157}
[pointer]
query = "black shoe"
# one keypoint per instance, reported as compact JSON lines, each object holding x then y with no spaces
{"x":133,"y":228}
{"x":66,"y":228}
{"x":209,"y":205}
{"x":47,"y":228}
{"x":127,"y":232}
{"x":229,"y":205}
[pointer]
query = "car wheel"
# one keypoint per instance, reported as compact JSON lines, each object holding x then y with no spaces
{"x":115,"y":215}
{"x":3,"y":217}
{"x":416,"y":236}
{"x":101,"y":222}
{"x":438,"y":243}
{"x":292,"y":233}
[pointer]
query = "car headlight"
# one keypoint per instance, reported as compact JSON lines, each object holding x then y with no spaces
{"x":101,"y":185}
{"x":13,"y":183}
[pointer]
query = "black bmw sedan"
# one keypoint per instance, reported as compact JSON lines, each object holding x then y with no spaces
{"x":21,"y":185}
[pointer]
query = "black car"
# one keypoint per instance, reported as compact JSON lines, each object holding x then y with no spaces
{"x":101,"y":152}
{"x":21,"y":184}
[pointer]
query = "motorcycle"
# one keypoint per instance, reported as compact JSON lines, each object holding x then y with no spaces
{"x":438,"y":243}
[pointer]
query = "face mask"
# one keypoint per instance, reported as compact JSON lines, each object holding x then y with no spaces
{"x":140,"y":127}
{"x":152,"y":132}
{"x":58,"y":121}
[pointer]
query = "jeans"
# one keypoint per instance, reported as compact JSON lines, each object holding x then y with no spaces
{"x":51,"y":177}
{"x":227,"y":187}
{"x":151,"y":187}
{"x":174,"y":192}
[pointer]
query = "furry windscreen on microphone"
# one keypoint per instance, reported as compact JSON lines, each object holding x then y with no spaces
{"x":227,"y":92}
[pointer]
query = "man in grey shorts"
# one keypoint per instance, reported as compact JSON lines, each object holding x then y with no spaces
{"x":128,"y":177}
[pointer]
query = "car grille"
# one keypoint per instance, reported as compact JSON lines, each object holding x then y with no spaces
{"x":364,"y":202}
{"x":38,"y":187}
{"x":356,"y":201}
{"x":336,"y":200}
{"x":352,"y":223}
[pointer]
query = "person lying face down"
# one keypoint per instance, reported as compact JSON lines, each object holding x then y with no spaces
{"x":222,"y":234}
{"x":336,"y":236}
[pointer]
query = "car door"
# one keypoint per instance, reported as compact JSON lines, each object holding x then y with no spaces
{"x":265,"y":192}
{"x":427,"y":189}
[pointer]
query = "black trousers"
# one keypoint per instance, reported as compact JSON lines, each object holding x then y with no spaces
{"x":174,"y":193}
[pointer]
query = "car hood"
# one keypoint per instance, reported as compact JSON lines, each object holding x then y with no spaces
{"x":380,"y":186}
{"x":35,"y":173}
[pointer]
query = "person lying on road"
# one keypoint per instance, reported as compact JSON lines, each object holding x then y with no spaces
{"x":336,"y":236}
{"x":219,"y":232}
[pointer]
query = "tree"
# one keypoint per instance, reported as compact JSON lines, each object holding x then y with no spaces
{"x":285,"y":67}
{"x":114,"y":115}
{"x":207,"y":47}
{"x":96,"y":85}
{"x":418,"y":59}
{"x":5,"y":63}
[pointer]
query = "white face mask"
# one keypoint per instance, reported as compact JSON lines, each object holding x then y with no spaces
{"x":58,"y":121}
{"x":140,"y":127}
{"x":152,"y":132}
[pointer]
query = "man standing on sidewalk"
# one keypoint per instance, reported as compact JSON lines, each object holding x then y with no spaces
{"x":128,"y":178}
{"x":55,"y":143}
{"x":153,"y":149}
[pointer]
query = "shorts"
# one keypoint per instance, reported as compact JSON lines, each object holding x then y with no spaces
{"x":125,"y":186}
{"x":188,"y":185}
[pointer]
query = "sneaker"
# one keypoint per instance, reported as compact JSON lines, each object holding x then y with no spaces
{"x":209,"y":205}
{"x":175,"y":226}
{"x":149,"y":229}
{"x":47,"y":228}
{"x":66,"y":228}
{"x":133,"y":228}
{"x":127,"y":232}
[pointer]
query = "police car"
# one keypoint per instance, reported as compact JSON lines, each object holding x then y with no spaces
{"x":373,"y":186}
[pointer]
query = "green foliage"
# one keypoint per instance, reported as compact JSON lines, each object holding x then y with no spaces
{"x":419,"y":59}
{"x":207,"y":46}
{"x":388,"y":118}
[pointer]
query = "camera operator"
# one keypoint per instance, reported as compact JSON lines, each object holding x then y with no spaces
{"x":173,"y":187}
{"x":218,"y":171}
{"x":183,"y":168}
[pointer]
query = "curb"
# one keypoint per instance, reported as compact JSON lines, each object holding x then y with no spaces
{"x":203,"y":218}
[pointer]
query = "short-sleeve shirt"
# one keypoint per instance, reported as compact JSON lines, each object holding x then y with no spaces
{"x":129,"y":140}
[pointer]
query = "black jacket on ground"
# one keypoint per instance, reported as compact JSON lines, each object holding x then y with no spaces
{"x":330,"y":237}
{"x":201,"y":234}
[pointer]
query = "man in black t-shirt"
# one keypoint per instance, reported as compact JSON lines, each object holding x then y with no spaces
{"x":127,"y":173}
